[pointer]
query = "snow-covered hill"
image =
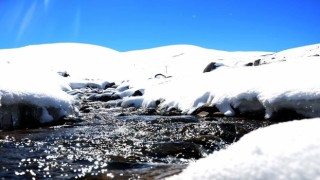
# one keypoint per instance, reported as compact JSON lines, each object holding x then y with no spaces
{"x":81,"y":60}
{"x":32,"y":89}
{"x":182,"y":60}
{"x":291,"y":83}
{"x":91,"y":61}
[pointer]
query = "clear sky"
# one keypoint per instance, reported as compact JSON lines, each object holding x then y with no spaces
{"x":270,"y":25}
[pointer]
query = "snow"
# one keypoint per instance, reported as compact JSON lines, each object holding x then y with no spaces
{"x":132,"y":102}
{"x":297,"y":53}
{"x":85,"y":61}
{"x":30,"y":79}
{"x":81,"y":83}
{"x":249,"y":89}
{"x":288,"y":150}
{"x":290,"y":84}
{"x":286,"y":80}
{"x":81,"y":61}
{"x":42,"y":91}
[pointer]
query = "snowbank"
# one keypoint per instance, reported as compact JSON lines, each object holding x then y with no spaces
{"x":28,"y":95}
{"x":284,"y":151}
{"x":82,"y":83}
{"x":290,"y":85}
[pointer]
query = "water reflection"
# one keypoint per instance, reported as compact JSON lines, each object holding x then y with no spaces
{"x":105,"y":146}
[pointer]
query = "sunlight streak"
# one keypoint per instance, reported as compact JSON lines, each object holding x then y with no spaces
{"x":11,"y":17}
{"x":26,"y":20}
{"x":77,"y":23}
{"x":46,"y":5}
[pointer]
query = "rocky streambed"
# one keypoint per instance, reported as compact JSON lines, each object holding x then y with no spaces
{"x":106,"y":142}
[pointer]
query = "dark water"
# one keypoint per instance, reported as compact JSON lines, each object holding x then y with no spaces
{"x":116,"y":143}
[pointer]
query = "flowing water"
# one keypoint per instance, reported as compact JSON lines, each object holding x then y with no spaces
{"x":115,"y":143}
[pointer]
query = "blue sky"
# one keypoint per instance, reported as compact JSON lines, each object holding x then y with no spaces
{"x":124,"y":25}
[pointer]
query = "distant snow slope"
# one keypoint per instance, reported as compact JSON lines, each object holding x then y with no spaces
{"x":297,"y":53}
{"x":182,"y":60}
{"x":79,"y":60}
{"x":91,"y":61}
{"x":283,"y":151}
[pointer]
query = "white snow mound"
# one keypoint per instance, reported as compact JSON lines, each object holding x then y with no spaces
{"x":29,"y":95}
{"x":288,"y":150}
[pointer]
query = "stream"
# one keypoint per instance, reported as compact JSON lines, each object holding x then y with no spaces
{"x":117,"y":143}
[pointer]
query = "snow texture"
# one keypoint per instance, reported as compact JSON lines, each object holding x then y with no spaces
{"x":269,"y":88}
{"x":39,"y":94}
{"x":288,"y":150}
{"x":31,"y":81}
{"x":172,"y":75}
